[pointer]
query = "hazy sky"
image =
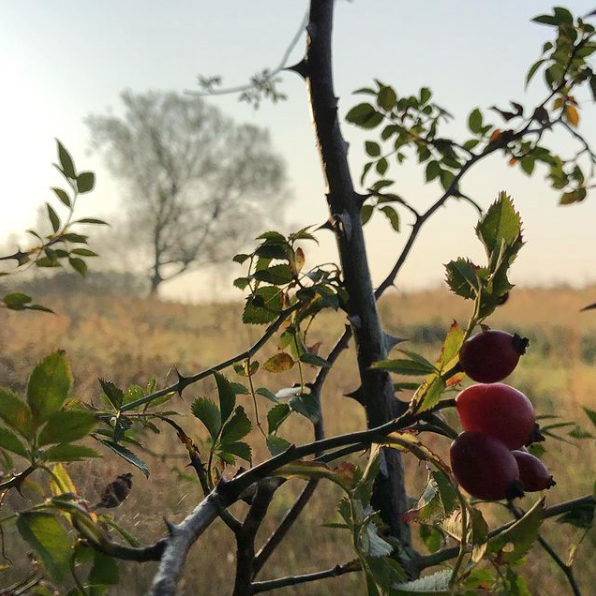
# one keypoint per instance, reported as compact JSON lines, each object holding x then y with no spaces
{"x":63,"y":59}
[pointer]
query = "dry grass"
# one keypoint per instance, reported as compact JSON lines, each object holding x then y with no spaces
{"x":131,"y":340}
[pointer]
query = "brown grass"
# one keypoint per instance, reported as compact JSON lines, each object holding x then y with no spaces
{"x":130,"y":340}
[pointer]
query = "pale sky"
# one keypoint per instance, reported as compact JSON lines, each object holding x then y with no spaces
{"x":61,"y":60}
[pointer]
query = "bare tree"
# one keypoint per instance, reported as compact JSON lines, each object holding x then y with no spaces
{"x":198,"y":185}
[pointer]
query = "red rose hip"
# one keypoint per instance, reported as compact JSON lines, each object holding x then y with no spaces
{"x":484,"y":467}
{"x":491,"y":355}
{"x":534,"y":475}
{"x":497,"y":410}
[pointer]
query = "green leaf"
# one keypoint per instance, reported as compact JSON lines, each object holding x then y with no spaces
{"x":580,"y":516}
{"x":533,"y":70}
{"x":208,"y":413}
{"x":66,"y":426}
{"x":53,"y":217}
{"x":237,"y":427}
{"x":113,"y":394}
{"x":68,"y":452}
{"x":66,"y":163}
{"x":276,"y":415}
{"x":15,"y":413}
{"x":62,"y":196}
{"x":500,"y":223}
{"x":366,"y":212}
{"x":16,"y":300}
{"x":315,"y":360}
{"x":104,"y":571}
{"x":364,"y":115}
{"x":372,"y":148}
{"x":278,"y":275}
{"x":475,"y":121}
{"x":49,"y":386}
{"x":9,"y":441}
{"x":307,"y":406}
{"x":521,"y":535}
{"x":267,"y":393}
{"x":226,"y":395}
{"x":392,"y":215}
{"x":85,"y":182}
{"x":277,"y":445}
{"x":240,"y":449}
{"x":83,"y":252}
{"x":50,"y":541}
{"x":264,"y":306}
{"x":92,"y":220}
{"x":404,"y":367}
{"x":386,"y":98}
{"x":433,"y":170}
{"x":591,"y":414}
{"x":78,"y":265}
{"x":127,"y":455}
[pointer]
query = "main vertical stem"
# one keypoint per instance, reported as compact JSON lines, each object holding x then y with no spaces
{"x":376,"y":391}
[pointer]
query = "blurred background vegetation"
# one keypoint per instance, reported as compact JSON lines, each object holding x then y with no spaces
{"x":110,"y":328}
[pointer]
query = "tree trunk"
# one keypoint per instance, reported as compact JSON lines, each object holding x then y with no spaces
{"x":376,"y":391}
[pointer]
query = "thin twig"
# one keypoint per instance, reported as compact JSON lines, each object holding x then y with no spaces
{"x":294,"y":580}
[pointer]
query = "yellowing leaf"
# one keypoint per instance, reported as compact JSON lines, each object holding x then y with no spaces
{"x":572,"y":115}
{"x":279,"y":363}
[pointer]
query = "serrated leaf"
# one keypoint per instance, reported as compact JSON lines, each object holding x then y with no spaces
{"x":307,"y":406}
{"x":50,"y":541}
{"x":66,"y":426}
{"x":521,"y":535}
{"x":462,"y":278}
{"x":267,"y":393}
{"x":114,"y":394}
{"x":315,"y":360}
{"x":237,"y":427}
{"x":15,"y":413}
{"x":433,"y":170}
{"x":264,"y":306}
{"x":277,"y":445}
{"x":226,"y":396}
{"x":127,"y":455}
{"x":65,"y":452}
{"x":49,"y":386}
{"x":372,"y":148}
{"x":208,"y":413}
{"x":404,"y":367}
{"x":83,"y":252}
{"x":580,"y":516}
{"x":85,"y":182}
{"x":386,"y":98}
{"x":66,"y":162}
{"x":278,"y":363}
{"x":276,"y":415}
{"x":9,"y":441}
{"x":500,"y":223}
{"x":278,"y":275}
{"x":239,"y":449}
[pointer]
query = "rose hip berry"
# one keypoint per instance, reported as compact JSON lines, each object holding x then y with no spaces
{"x":491,"y":355}
{"x":497,"y":410}
{"x":484,"y":467}
{"x":533,"y":474}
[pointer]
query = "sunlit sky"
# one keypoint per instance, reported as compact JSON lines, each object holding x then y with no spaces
{"x":64,"y":59}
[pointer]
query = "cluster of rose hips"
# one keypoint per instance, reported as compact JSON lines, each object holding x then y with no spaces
{"x":489,"y":459}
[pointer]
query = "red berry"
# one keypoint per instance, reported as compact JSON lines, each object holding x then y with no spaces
{"x":497,"y":410}
{"x":484,"y":467}
{"x":490,"y":356}
{"x":533,"y":474}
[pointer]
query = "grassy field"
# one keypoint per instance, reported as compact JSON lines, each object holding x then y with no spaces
{"x":130,"y":340}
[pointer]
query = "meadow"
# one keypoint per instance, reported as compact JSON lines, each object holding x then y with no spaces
{"x":131,"y":340}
